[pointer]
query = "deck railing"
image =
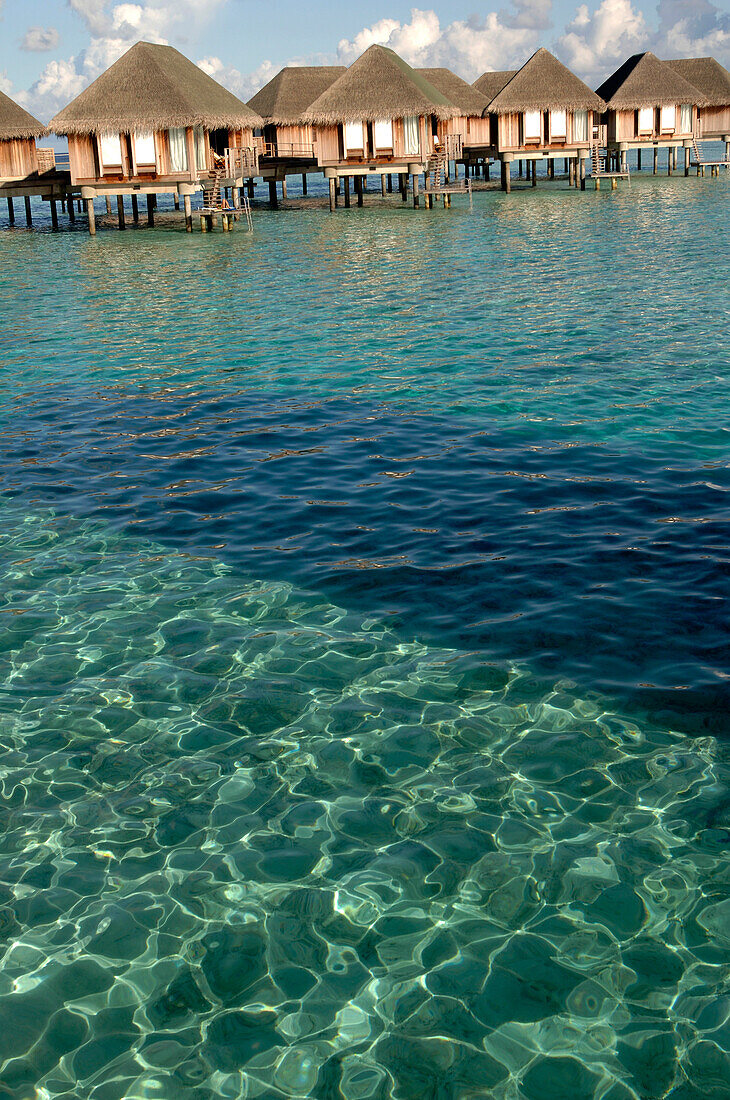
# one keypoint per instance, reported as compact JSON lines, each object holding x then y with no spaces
{"x":242,"y":162}
{"x":287,"y":150}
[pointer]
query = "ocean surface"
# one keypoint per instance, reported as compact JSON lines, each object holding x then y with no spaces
{"x":364,"y":654}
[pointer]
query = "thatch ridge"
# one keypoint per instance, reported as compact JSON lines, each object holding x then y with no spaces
{"x":153,"y":87}
{"x":542,"y":84}
{"x":645,"y":81}
{"x":16,"y":123}
{"x":285,"y":98}
{"x":378,"y":85}
{"x":466,"y":97}
{"x":491,"y":83}
{"x":707,"y":74}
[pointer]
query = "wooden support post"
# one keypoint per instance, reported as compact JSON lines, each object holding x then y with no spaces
{"x":358,"y":189}
{"x":669,"y":162}
{"x":487,"y":171}
{"x":188,"y":206}
{"x":135,"y":209}
{"x":551,"y":168}
{"x":11,"y":212}
{"x":120,"y":211}
{"x":28,"y":212}
{"x":638,"y":160}
{"x":151,"y":210}
{"x":236,"y":198}
{"x":687,"y":153}
{"x":382,"y":186}
{"x":176,"y":201}
{"x":203,"y":224}
{"x":504,"y":172}
{"x":519,"y":170}
{"x":571,"y":172}
{"x":54,"y":214}
{"x":624,"y":161}
{"x":273,"y":198}
{"x":333,"y":196}
{"x":92,"y":217}
{"x":284,"y":189}
{"x":251,"y":189}
{"x":403,"y":182}
{"x":533,"y":171}
{"x":614,"y":183}
{"x":304,"y":183}
{"x":466,"y":169}
{"x":598,"y":184}
{"x":582,"y":170}
{"x":347,"y":192}
{"x":108,"y":203}
{"x":656,"y":159}
{"x":674,"y":158}
{"x":390,"y":183}
{"x":416,"y":197}
{"x":565,"y":166}
{"x":71,"y":211}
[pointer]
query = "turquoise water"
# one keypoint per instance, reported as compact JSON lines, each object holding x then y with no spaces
{"x":364,"y":653}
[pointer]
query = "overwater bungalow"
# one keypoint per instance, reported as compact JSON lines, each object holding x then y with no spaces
{"x":154,"y":123}
{"x":713,"y":80}
{"x":467,"y":134}
{"x":379,"y":117}
{"x":286,"y":142}
{"x":491,"y":83}
{"x":543,"y":112}
{"x":649,"y":105}
{"x":24,"y":169}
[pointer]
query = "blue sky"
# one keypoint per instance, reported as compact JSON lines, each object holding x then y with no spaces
{"x":50,"y":49}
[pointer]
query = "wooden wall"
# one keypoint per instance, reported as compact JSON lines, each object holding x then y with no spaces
{"x":715,"y":120}
{"x":510,"y":134}
{"x":18,"y":158}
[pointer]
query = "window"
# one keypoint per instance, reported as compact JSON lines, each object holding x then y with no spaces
{"x":110,"y":148}
{"x":145,"y":156}
{"x":580,"y":126}
{"x":646,"y":120}
{"x":410,"y":133}
{"x":532,"y":126}
{"x":383,"y":134}
{"x":669,"y":119}
{"x":558,"y":126}
{"x":201,"y":150}
{"x":353,"y":137}
{"x":685,"y":118}
{"x":178,"y":150}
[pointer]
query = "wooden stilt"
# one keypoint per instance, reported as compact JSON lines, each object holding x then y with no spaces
{"x":382,"y":186}
{"x":638,"y":160}
{"x":54,"y":214}
{"x":71,"y":211}
{"x":533,"y":172}
{"x":11,"y":212}
{"x":120,"y":211}
{"x":687,"y":154}
{"x":582,"y":174}
{"x":614,"y":183}
{"x":28,"y":211}
{"x":551,"y":168}
{"x":108,"y":203}
{"x":390,"y":183}
{"x":236,"y":198}
{"x":304,"y":183}
{"x":675,"y":155}
{"x":347,"y":192}
{"x":203,"y":224}
{"x":416,"y":198}
{"x":486,"y":173}
{"x":565,"y":166}
{"x":333,"y":196}
{"x":403,"y":186}
{"x":273,"y":198}
{"x":176,"y":201}
{"x":656,"y":159}
{"x":358,"y":189}
{"x":251,"y":189}
{"x":151,"y":210}
{"x":669,"y":162}
{"x":135,"y":209}
{"x":92,"y":217}
{"x":576,"y":172}
{"x":571,"y":172}
{"x":505,"y":173}
{"x":284,"y":189}
{"x":188,"y":206}
{"x":519,"y":170}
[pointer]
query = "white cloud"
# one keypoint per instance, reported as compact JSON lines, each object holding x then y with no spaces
{"x":595,"y":43}
{"x":693,"y":31}
{"x":40,"y":39}
{"x":244,"y":85}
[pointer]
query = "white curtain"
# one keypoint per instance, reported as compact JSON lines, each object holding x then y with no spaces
{"x":580,"y":126}
{"x":201,"y":150}
{"x":178,"y":150}
{"x":558,"y":124}
{"x":669,"y":119}
{"x":533,"y":126}
{"x":383,"y":134}
{"x":685,"y":117}
{"x":111,"y":150}
{"x":145,"y":155}
{"x":410,"y":133}
{"x":353,"y":137}
{"x":646,"y":120}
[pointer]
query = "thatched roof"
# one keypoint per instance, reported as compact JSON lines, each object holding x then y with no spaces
{"x":152,"y":88}
{"x":543,"y":83}
{"x":16,"y":123}
{"x":645,"y":81}
{"x":379,"y":85}
{"x":490,"y":84}
{"x":712,"y":78}
{"x":465,"y":96}
{"x":286,"y":97}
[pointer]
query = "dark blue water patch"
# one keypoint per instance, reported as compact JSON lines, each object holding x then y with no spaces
{"x":604,"y":562}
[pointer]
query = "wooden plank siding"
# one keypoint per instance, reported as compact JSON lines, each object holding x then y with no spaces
{"x":623,"y":126}
{"x":18,"y":158}
{"x":510,"y":139}
{"x":714,"y":121}
{"x":330,"y":150}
